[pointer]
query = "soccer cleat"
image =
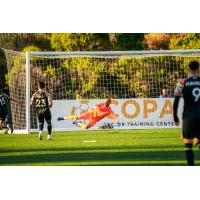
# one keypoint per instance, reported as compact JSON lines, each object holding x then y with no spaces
{"x":49,"y":137}
{"x":40,"y":136}
{"x":60,"y":118}
{"x":81,"y":125}
{"x":5,"y":130}
{"x":71,"y":117}
{"x":11,"y":128}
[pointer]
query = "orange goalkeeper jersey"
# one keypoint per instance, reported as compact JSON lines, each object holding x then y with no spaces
{"x":102,"y":111}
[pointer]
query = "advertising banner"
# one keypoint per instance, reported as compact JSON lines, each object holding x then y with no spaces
{"x":132,"y":113}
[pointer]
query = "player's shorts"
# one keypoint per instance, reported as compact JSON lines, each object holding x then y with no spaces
{"x":92,"y":122}
{"x":191,"y":127}
{"x":46,"y":115}
{"x":92,"y":119}
{"x":85,"y":116}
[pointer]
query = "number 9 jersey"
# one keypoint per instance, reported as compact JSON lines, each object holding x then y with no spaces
{"x":189,"y":89}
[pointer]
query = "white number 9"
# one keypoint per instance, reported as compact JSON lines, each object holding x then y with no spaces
{"x":196,"y":93}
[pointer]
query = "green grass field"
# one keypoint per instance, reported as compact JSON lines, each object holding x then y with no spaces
{"x":125,"y":147}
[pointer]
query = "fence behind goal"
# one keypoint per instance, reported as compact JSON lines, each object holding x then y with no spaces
{"x":77,"y":80}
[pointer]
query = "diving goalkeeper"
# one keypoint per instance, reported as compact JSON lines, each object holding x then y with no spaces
{"x":101,"y":111}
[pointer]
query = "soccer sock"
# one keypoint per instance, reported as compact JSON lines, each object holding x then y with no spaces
{"x":71,"y":117}
{"x":81,"y":125}
{"x":189,"y":154}
{"x":41,"y":126}
{"x":49,"y":127}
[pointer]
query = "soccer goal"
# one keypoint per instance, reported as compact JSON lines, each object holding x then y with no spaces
{"x":78,"y":80}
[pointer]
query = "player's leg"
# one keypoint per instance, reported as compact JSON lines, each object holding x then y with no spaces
{"x":49,"y":125}
{"x":8,"y":125}
{"x":70,"y":117}
{"x":189,"y":151}
{"x":41,"y":124}
{"x":3,"y":124}
{"x":188,"y":131}
{"x":84,"y":116}
{"x":90,"y":123}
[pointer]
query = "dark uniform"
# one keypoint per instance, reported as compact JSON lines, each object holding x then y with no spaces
{"x":3,"y":108}
{"x":41,"y":101}
{"x":189,"y":89}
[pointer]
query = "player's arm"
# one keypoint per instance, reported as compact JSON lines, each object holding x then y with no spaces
{"x":175,"y":109}
{"x":114,"y":116}
{"x":50,"y":102}
{"x":178,"y":95}
{"x":32,"y":99}
{"x":11,"y":99}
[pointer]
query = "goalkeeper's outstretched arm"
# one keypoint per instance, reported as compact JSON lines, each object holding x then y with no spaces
{"x":114,"y":116}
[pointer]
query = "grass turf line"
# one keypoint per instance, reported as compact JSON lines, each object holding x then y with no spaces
{"x":161,"y":147}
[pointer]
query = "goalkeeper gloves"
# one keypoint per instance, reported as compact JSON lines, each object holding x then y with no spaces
{"x":60,"y":118}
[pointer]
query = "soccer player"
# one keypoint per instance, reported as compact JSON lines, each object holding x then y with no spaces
{"x":43,"y":102}
{"x":189,"y":89}
{"x":4,"y":125}
{"x":101,"y":111}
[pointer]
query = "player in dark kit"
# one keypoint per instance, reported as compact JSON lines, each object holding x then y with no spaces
{"x":4,"y":125}
{"x":43,"y":102}
{"x":189,"y":89}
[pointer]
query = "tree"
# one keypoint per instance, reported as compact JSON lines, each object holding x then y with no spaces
{"x":157,"y":41}
{"x":126,"y":41}
{"x":80,"y":41}
{"x":185,"y":41}
{"x":17,"y":41}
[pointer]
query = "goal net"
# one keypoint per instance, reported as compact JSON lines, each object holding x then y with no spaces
{"x":75,"y":79}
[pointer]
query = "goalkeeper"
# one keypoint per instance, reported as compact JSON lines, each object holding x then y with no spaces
{"x":101,"y":111}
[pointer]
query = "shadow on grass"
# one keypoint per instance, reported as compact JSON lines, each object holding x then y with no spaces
{"x":120,"y":158}
{"x":49,"y":149}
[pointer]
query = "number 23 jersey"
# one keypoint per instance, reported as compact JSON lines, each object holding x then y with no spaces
{"x":189,"y":89}
{"x":41,"y":101}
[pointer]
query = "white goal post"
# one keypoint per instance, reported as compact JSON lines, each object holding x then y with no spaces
{"x":78,"y":80}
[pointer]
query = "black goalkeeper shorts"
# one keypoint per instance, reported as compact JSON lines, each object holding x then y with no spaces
{"x":191,"y":127}
{"x":46,"y":115}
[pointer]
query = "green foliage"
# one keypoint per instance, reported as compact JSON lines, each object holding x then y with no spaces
{"x":185,"y":41}
{"x":79,"y":41}
{"x":87,"y":73}
{"x":126,"y":41}
{"x":3,"y":69}
{"x":51,"y":71}
{"x":89,"y":79}
{"x":18,"y":41}
{"x":31,"y":48}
